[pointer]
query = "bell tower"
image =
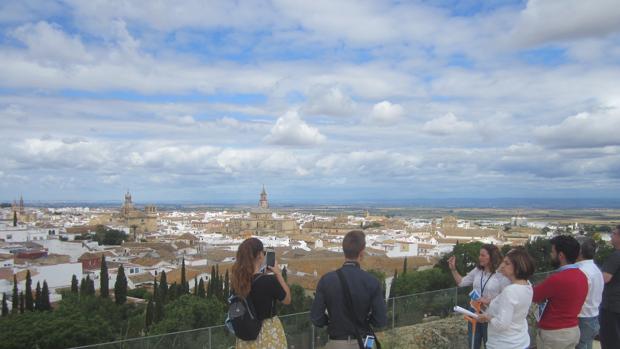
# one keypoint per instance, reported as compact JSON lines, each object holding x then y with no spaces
{"x":263,"y":203}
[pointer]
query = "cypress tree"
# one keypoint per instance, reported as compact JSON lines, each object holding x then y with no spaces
{"x":45,"y":297}
{"x":14,"y":218}
{"x":201,"y":289}
{"x":90,"y":287}
{"x":29,"y":299}
{"x":183,"y":278}
{"x":104,"y":282}
{"x":158,"y":312}
{"x":405,"y":266}
{"x":5,"y":306}
{"x":172,"y":291}
{"x":148,"y":317}
{"x":284,"y":274}
{"x":163,"y":288}
{"x":74,"y":284}
{"x":37,"y":297}
{"x":83,"y":287}
{"x":120,"y":286}
{"x":393,"y":285}
{"x":195,"y":286}
{"x":226,"y":286}
{"x":15,"y":296}
{"x":22,"y":302}
{"x":211,"y":285}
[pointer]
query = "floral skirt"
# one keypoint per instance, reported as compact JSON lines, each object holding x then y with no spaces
{"x":271,"y":336}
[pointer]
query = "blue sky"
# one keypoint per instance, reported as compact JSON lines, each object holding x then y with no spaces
{"x":329,"y":101}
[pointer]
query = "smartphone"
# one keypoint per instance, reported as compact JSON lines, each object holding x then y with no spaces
{"x":369,"y":342}
{"x":270,"y":258}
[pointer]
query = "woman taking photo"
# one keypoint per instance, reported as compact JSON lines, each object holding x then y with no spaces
{"x":263,"y":290}
{"x":486,"y":282}
{"x":506,"y":315}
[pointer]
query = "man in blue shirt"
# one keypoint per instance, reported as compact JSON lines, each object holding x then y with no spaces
{"x":366,"y":295}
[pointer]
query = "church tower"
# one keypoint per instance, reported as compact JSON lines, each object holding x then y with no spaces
{"x":127,"y":205}
{"x":263,"y":203}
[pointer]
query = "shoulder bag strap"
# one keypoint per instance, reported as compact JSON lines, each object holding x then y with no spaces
{"x":349,"y":307}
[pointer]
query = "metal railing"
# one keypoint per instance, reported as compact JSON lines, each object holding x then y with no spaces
{"x":301,"y":334}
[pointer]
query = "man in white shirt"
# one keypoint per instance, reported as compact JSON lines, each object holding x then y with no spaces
{"x":588,"y":317}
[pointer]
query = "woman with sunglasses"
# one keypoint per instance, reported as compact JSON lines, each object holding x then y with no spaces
{"x":263,"y":290}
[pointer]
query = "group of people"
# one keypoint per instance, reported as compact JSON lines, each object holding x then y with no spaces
{"x":574,"y":302}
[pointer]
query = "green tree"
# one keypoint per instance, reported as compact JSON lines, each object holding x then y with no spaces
{"x":466,"y":257}
{"x":299,"y":301}
{"x":392,"y":293}
{"x":603,"y":251}
{"x":422,"y":281}
{"x":148,"y":316}
{"x":74,"y":284}
{"x":226,"y":286}
{"x":37,"y":297}
{"x":14,"y":297}
{"x":201,"y":289}
{"x":104,"y":279}
{"x":188,"y":313}
{"x":163,"y":287}
{"x":184,"y":278}
{"x":107,"y":236}
{"x":22,"y":302}
{"x":90,"y":286}
{"x":158,"y":311}
{"x":195,"y":286}
{"x":45,"y":297}
{"x":284,"y":274}
{"x":83,"y":287}
{"x":120,"y":286}
{"x":540,"y":250}
{"x":5,"y":306}
{"x":29,"y":299}
{"x":14,"y":218}
{"x":405,"y":266}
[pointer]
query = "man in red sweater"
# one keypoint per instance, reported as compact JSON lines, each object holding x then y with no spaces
{"x":562,"y":295}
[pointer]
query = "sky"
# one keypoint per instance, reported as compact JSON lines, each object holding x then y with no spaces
{"x":320,"y":101}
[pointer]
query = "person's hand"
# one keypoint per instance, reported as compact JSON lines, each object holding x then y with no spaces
{"x":275,"y":269}
{"x":452,"y":263}
{"x":485,"y":301}
{"x":483,"y":318}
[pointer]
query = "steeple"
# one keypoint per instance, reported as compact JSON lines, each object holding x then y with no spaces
{"x":263,"y":203}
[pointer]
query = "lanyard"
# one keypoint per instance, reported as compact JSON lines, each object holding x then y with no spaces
{"x":485,"y":284}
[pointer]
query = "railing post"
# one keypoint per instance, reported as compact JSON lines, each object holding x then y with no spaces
{"x":313,"y":335}
{"x":393,"y":312}
{"x":210,"y":346}
{"x":456,"y":296}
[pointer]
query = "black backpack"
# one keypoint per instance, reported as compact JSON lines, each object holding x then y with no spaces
{"x":242,"y":319}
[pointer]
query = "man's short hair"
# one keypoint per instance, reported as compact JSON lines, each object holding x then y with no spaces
{"x":567,"y":245}
{"x":353,"y":244}
{"x":587,"y":247}
{"x":522,"y":263}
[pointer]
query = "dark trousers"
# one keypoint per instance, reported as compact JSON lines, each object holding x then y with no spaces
{"x":479,"y":337}
{"x":609,"y":333}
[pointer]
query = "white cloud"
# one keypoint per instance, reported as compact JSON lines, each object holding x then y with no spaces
{"x":331,"y":101}
{"x":447,"y":125}
{"x":587,"y":129}
{"x":290,"y":129}
{"x":386,"y":112}
{"x":47,"y":43}
{"x":551,"y":20}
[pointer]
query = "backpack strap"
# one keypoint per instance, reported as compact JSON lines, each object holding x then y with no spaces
{"x":346,"y":292}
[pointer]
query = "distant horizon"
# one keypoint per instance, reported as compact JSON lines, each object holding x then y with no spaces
{"x":489,"y":203}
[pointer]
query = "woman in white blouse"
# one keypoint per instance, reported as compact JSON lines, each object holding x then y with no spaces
{"x":486,"y":282}
{"x":506,"y":314}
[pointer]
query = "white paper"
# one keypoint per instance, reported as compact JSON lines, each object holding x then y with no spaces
{"x":465,"y":312}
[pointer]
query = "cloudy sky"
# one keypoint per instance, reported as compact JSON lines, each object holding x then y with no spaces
{"x":321,"y":101}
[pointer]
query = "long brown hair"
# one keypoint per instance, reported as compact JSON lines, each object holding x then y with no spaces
{"x":243,"y":269}
{"x":495,"y":257}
